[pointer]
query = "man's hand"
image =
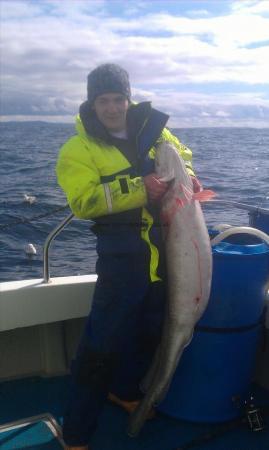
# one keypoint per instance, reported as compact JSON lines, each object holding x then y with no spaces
{"x":155,"y":188}
{"x":197,"y":186}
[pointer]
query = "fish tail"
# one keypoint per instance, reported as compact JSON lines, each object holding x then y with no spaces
{"x":140,"y":414}
{"x":161,"y":393}
{"x":149,"y":377}
{"x":166,"y":370}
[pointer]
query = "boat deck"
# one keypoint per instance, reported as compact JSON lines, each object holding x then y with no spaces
{"x":46,"y":397}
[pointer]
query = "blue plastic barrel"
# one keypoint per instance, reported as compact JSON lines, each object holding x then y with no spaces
{"x":217,"y":366}
{"x":259,"y":220}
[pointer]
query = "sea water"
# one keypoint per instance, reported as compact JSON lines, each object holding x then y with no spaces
{"x":233,"y":162}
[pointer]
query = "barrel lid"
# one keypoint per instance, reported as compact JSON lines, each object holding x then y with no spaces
{"x":240,"y":249}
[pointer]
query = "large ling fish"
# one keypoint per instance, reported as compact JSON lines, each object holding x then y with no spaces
{"x":189,"y":271}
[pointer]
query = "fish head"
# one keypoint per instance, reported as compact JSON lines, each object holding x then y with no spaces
{"x":164,"y":161}
{"x":169,"y":165}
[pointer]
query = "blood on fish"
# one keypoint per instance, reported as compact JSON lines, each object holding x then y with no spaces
{"x":180,"y":202}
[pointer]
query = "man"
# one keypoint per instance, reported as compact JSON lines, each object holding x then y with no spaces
{"x":107,"y":173}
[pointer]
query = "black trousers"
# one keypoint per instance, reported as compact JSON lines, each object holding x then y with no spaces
{"x":117,"y":346}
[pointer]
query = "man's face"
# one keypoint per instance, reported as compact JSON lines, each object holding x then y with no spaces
{"x":111,"y":110}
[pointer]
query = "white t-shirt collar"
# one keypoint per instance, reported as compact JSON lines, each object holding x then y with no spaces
{"x":119,"y":134}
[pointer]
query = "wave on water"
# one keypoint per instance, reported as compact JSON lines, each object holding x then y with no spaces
{"x":233,"y":162}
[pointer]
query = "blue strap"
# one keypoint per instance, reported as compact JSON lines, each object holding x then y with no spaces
{"x":148,"y":137}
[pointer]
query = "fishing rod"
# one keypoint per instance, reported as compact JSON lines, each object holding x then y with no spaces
{"x":24,"y":220}
{"x":246,"y":207}
{"x":239,"y":205}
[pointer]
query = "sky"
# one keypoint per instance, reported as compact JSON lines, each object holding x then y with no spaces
{"x":205,"y":63}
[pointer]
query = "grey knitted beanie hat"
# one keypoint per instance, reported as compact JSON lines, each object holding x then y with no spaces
{"x":108,"y":78}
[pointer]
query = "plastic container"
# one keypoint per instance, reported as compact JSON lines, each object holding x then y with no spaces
{"x":259,"y":220}
{"x":217,"y":366}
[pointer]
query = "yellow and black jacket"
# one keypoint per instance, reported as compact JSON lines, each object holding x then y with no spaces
{"x":102,"y":179}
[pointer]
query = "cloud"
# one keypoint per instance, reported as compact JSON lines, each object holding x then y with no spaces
{"x":48,"y":48}
{"x":221,"y":113}
{"x":198,"y":12}
{"x":251,"y":6}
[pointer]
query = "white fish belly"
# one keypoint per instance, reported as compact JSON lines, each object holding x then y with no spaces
{"x":189,"y":265}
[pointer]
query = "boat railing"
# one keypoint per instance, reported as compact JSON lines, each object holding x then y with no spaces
{"x":62,"y":225}
{"x":50,"y":238}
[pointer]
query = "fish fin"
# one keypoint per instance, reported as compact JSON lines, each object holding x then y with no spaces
{"x":204,"y":196}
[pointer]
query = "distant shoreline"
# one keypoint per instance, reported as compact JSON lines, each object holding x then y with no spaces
{"x":172,"y":127}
